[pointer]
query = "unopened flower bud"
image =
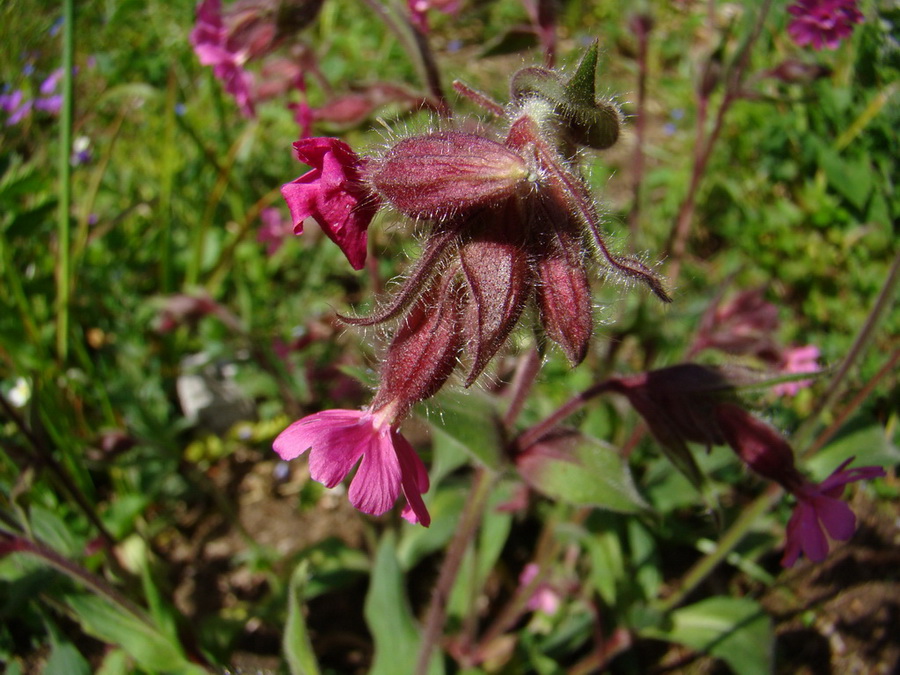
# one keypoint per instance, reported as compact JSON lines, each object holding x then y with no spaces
{"x":758,"y":445}
{"x":586,"y":120}
{"x":424,"y":351}
{"x":443,"y":173}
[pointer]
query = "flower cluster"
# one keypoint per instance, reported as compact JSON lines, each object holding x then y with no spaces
{"x":18,"y":106}
{"x":691,"y":403}
{"x":251,"y":30}
{"x":511,"y":223}
{"x":823,"y":23}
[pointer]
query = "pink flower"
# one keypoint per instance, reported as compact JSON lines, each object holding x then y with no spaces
{"x":819,"y":510}
{"x":387,"y":462}
{"x":333,"y":195}
{"x":797,"y":360}
{"x":823,"y":23}
{"x":544,"y":598}
{"x":419,"y":8}
{"x":818,"y":505}
{"x":274,"y":230}
{"x":210,"y":40}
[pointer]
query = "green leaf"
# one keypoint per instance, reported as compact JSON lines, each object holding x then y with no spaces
{"x":850,"y":179}
{"x":116,"y":662}
{"x":145,"y":643}
{"x":481,"y":560}
{"x":735,"y":630}
{"x":581,"y":470}
{"x":298,"y":650}
{"x":66,"y":660}
{"x":49,"y":527}
{"x":388,"y":616}
{"x":470,"y":421}
{"x":445,"y":507}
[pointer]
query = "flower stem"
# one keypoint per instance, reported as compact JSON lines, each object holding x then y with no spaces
{"x":879,"y":309}
{"x":732,"y":537}
{"x":530,"y":436}
{"x":704,"y":147}
{"x":13,"y":543}
{"x":416,"y":45}
{"x":64,"y":268}
{"x":468,"y":524}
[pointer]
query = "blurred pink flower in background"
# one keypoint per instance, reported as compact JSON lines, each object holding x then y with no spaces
{"x":823,"y":23}
{"x":275,"y":229}
{"x":210,"y":40}
{"x":418,"y":10}
{"x":797,"y":360}
{"x":544,"y":598}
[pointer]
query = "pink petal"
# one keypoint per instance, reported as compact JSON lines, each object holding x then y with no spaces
{"x":414,"y":479}
{"x":376,"y":485}
{"x":337,"y":438}
{"x":836,"y":516}
{"x":809,"y":532}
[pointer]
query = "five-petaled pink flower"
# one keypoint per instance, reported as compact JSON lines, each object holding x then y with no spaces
{"x":819,"y":510}
{"x":210,"y":40}
{"x":387,"y":462}
{"x":823,"y":23}
{"x":333,"y":195}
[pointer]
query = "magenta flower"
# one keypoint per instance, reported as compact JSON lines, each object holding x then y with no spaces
{"x":545,"y":598}
{"x":819,"y":510}
{"x":333,"y":195}
{"x":823,"y":23}
{"x":338,"y":439}
{"x":819,"y":507}
{"x":210,"y":40}
{"x":797,"y":360}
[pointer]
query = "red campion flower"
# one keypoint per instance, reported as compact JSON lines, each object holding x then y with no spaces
{"x":333,"y":195}
{"x":338,"y":439}
{"x":819,"y":507}
{"x":823,"y":23}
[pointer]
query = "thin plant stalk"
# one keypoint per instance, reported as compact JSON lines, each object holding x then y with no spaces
{"x":11,"y":542}
{"x":64,"y":235}
{"x":641,"y":25}
{"x":882,"y":305}
{"x":415,"y":43}
{"x":465,"y":531}
{"x":704,"y":146}
{"x":44,"y":457}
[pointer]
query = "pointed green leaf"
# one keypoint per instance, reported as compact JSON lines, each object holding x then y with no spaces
{"x":582,"y":87}
{"x":298,"y":651}
{"x":145,"y":643}
{"x":735,"y":630}
{"x":388,"y":616}
{"x":581,"y":470}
